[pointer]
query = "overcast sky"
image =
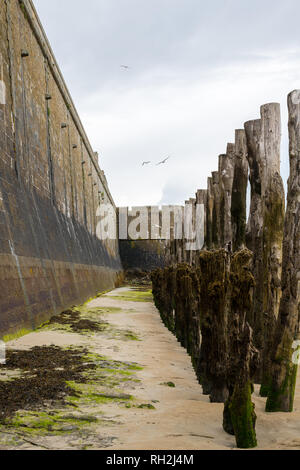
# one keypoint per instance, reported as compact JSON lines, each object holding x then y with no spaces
{"x":198,"y":70}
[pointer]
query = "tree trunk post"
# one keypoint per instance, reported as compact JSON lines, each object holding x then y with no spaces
{"x":286,"y":344}
{"x":201,"y":198}
{"x":253,"y":131}
{"x":192,"y":253}
{"x":226,"y":175}
{"x":213,"y":276}
{"x":239,"y":191}
{"x":209,"y":214}
{"x":239,"y":417}
{"x":273,"y":226}
{"x":216,"y":226}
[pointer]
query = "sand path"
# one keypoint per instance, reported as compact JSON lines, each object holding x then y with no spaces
{"x":183,"y":418}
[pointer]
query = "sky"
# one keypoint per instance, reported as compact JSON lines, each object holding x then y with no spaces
{"x":197,"y":71}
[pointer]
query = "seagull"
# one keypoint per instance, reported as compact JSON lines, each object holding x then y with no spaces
{"x":163,"y":161}
{"x":145,"y":163}
{"x":126,"y":67}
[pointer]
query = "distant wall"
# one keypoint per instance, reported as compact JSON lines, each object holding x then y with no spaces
{"x":50,"y":184}
{"x":145,"y":255}
{"x":149,"y":249}
{"x":155,"y":237}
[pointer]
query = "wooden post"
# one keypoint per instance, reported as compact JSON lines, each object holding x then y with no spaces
{"x":216,"y":225}
{"x":239,"y":414}
{"x":265,"y":229}
{"x":186,"y":253}
{"x":242,"y":359}
{"x":226,"y":175}
{"x":201,"y":198}
{"x":255,"y":226}
{"x":273,"y":225}
{"x":187,"y":318}
{"x":192,"y":253}
{"x":164,"y":289}
{"x":239,"y":191}
{"x":178,"y":232}
{"x":213,"y":274}
{"x":253,"y":131}
{"x":285,"y":358}
{"x":209,"y":214}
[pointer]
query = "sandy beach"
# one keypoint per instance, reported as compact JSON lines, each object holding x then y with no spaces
{"x":167,"y":409}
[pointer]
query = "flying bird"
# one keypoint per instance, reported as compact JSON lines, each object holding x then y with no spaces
{"x":145,"y":163}
{"x":163,"y":161}
{"x":126,"y":67}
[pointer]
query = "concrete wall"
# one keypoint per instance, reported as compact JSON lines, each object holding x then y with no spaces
{"x":50,"y":184}
{"x":149,"y":249}
{"x":145,"y":255}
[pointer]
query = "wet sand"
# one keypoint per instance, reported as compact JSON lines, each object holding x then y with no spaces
{"x":183,"y":419}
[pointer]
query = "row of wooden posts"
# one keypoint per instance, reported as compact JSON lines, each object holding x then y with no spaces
{"x":270,"y":320}
{"x":204,"y":308}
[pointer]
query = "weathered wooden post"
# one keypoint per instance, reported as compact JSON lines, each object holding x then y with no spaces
{"x":216,"y":225}
{"x":179,"y":234}
{"x":255,"y":226}
{"x":286,"y":344}
{"x":253,"y":131}
{"x":201,"y":199}
{"x":242,"y":359}
{"x":213,"y":276}
{"x":239,"y":414}
{"x":194,"y":339}
{"x":192,"y":252}
{"x":188,"y":290}
{"x":170,"y":289}
{"x":239,"y":191}
{"x":180,"y":301}
{"x":226,"y":174}
{"x":209,"y":214}
{"x":157,"y":278}
{"x":273,"y":224}
{"x":164,"y":289}
{"x":186,"y":253}
{"x":265,"y":229}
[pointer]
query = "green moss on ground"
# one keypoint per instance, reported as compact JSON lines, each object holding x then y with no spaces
{"x":41,"y":423}
{"x":146,"y":406}
{"x":169,"y":384}
{"x":18,"y":334}
{"x":100,"y":311}
{"x":101,"y":381}
{"x":88,"y":321}
{"x":133,"y":296}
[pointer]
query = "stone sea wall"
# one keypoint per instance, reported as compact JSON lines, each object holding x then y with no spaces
{"x":50,"y":184}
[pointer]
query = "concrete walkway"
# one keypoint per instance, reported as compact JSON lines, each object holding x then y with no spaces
{"x":166,"y":410}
